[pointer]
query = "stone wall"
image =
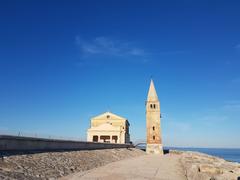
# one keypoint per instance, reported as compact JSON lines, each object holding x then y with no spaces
{"x":17,"y":143}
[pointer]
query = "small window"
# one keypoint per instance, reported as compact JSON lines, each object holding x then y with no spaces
{"x":153,"y":128}
{"x":108,"y":116}
{"x":154,"y":106}
{"x":151,"y":106}
{"x":153,"y":137}
{"x":95,"y":138}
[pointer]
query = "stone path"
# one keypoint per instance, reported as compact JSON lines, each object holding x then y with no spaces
{"x":165,"y":167}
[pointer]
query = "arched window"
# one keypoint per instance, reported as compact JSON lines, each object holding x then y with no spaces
{"x":153,"y":128}
{"x":154,"y":106}
{"x":153,"y":137}
{"x":151,"y":106}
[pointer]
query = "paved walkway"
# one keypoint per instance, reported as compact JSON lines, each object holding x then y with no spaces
{"x":165,"y":167}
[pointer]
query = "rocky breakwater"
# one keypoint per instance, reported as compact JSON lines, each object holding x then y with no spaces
{"x":199,"y":166}
{"x":52,"y":165}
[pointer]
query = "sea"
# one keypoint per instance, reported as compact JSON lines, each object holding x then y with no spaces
{"x":225,"y":153}
{"x":229,"y":154}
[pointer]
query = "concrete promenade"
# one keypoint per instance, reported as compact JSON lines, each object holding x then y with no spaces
{"x":165,"y":167}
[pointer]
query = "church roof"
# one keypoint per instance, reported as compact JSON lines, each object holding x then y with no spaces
{"x":152,"y":94}
{"x":110,"y":115}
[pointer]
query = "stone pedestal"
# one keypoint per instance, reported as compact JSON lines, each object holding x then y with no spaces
{"x":154,"y":149}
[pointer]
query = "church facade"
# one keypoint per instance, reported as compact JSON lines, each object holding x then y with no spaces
{"x":153,"y":122}
{"x":109,"y":128}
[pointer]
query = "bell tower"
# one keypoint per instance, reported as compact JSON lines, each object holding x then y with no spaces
{"x":154,"y":138}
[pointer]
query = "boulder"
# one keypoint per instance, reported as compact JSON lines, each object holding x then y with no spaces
{"x":210,"y":169}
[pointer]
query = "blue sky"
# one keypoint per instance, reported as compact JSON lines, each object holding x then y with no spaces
{"x":62,"y":62}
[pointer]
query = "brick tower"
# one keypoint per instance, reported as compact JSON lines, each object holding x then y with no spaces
{"x":154,"y":139}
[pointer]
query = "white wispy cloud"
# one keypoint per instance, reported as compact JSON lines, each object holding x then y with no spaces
{"x":213,"y":118}
{"x":108,"y":46}
{"x":232,"y":106}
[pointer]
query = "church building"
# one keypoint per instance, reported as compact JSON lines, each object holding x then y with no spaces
{"x":109,"y":128}
{"x":154,"y":138}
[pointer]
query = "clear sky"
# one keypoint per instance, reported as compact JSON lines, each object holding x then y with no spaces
{"x":62,"y":62}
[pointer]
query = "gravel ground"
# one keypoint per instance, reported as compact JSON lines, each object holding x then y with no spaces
{"x":53,"y":165}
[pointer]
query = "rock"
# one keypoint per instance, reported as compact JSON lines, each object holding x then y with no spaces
{"x":72,"y":169}
{"x":194,"y":168}
{"x":3,"y":158}
{"x":51,"y":178}
{"x":209,"y":169}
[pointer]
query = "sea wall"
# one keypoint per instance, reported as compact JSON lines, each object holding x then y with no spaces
{"x":18,"y":143}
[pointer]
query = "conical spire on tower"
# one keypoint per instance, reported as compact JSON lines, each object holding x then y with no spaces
{"x":152,"y":94}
